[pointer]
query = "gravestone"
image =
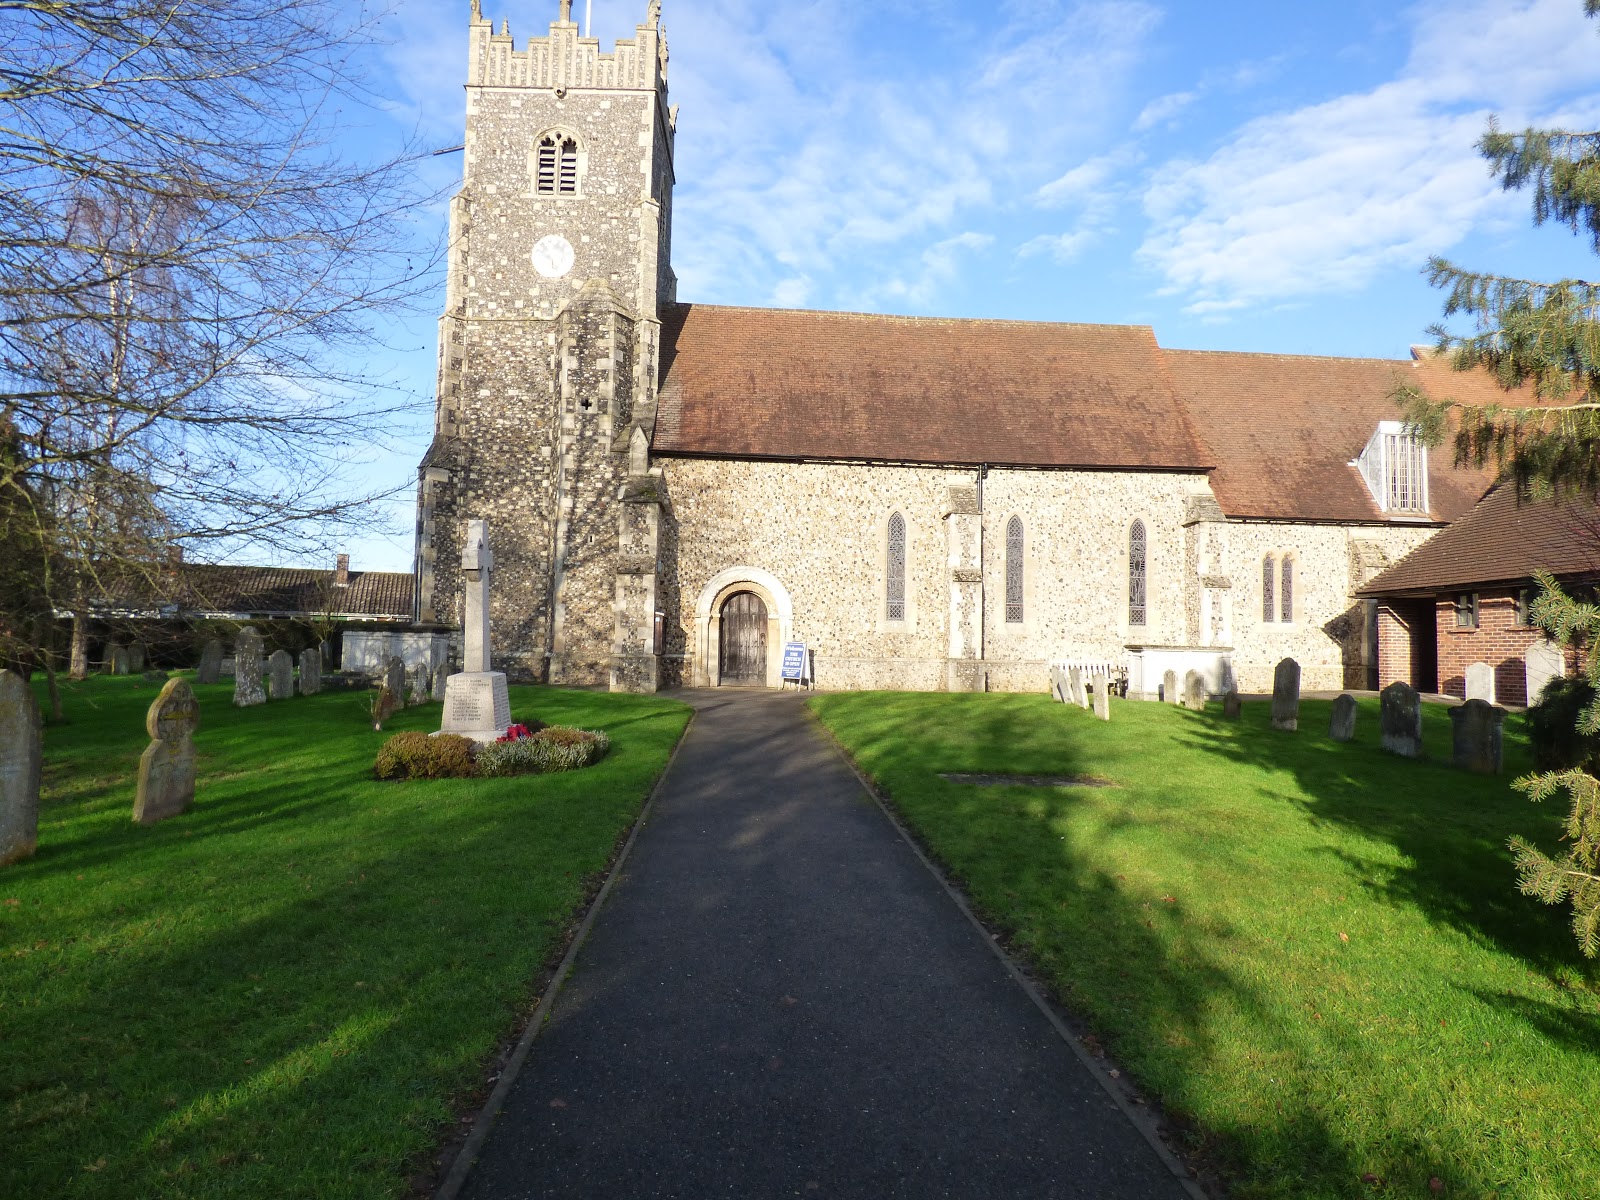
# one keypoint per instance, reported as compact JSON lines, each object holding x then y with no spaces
{"x":1342,"y":726}
{"x":1102,"y":697}
{"x":1476,"y":730}
{"x":1058,"y":684}
{"x":136,"y":658}
{"x":210,"y":668}
{"x":280,"y":675}
{"x":1169,"y":687}
{"x":117,"y":659}
{"x":21,"y":759}
{"x":476,"y":703}
{"x":394,"y":678}
{"x":1286,"y":696}
{"x":1232,"y":705}
{"x":1077,"y":687}
{"x":247,"y":650}
{"x":441,"y":676}
{"x":166,"y":769}
{"x":421,"y":690}
{"x":1194,"y":692}
{"x":310,"y":672}
{"x":384,"y":705}
{"x":1480,"y":682}
{"x":1400,"y":720}
{"x":1544,"y":662}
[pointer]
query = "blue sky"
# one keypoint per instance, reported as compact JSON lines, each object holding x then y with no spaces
{"x":1242,"y":176}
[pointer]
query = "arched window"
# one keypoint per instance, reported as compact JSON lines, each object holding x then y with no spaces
{"x":1136,"y":574}
{"x":896,"y":562}
{"x":557,"y":170}
{"x":1014,"y":571}
{"x":1286,"y":589}
{"x":1269,"y":566}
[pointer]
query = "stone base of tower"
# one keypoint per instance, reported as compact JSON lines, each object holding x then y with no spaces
{"x":636,"y":673}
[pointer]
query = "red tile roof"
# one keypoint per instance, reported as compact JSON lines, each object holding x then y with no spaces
{"x":1283,"y":430}
{"x":1500,"y":541}
{"x":263,"y":591}
{"x":774,"y":383}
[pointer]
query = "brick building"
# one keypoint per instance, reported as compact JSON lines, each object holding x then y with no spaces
{"x":1463,"y":597}
{"x":674,"y":490}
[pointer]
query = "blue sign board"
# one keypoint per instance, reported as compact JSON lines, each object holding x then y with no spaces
{"x":794,"y":661}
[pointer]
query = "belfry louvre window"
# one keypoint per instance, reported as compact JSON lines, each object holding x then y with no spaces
{"x":558,"y":166}
{"x":1136,"y":574}
{"x":1395,"y":468}
{"x":1269,"y":567}
{"x":896,"y":561}
{"x":1014,"y":571}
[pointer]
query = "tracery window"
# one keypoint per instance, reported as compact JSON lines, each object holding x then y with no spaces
{"x":1136,"y":574}
{"x":1014,"y":571}
{"x":1269,"y":568}
{"x":557,"y":170}
{"x":1286,"y":589}
{"x":896,"y":563}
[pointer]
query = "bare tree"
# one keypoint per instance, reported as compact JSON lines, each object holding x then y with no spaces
{"x":191,"y":261}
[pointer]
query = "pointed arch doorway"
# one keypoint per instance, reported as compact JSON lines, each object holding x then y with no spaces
{"x":743,"y":646}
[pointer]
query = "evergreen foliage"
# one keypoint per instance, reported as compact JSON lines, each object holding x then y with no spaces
{"x":1543,"y":340}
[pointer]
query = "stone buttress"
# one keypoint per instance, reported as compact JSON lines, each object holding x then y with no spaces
{"x":559,"y":252}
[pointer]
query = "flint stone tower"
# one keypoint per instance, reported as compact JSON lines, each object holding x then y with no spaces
{"x":559,"y":252}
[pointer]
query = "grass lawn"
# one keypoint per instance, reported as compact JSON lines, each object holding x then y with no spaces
{"x":1313,"y":954}
{"x":279,"y":993}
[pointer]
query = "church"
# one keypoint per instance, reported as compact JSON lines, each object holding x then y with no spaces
{"x":676,"y":490}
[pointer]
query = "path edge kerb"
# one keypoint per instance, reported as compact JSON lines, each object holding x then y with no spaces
{"x":1141,"y":1118}
{"x":456,"y":1178}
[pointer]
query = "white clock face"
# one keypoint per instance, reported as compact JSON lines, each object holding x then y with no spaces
{"x":553,"y":256}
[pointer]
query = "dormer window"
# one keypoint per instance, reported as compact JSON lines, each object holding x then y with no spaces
{"x":556,"y":165}
{"x":1395,"y":467}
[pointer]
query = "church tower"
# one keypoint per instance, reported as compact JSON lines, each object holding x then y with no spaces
{"x":559,"y":254}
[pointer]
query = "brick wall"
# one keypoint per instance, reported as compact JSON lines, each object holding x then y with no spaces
{"x":1498,"y":640}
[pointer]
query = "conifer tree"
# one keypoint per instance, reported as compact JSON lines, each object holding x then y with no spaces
{"x":1544,"y":339}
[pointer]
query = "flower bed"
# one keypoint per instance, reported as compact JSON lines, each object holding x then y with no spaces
{"x":528,"y":748}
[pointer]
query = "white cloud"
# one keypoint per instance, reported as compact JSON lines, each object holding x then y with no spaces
{"x":1326,"y":197}
{"x":940,"y":264}
{"x":1163,"y":109}
{"x":799,"y":159}
{"x":1063,"y":247}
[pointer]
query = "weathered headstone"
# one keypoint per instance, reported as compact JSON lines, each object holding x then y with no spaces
{"x":280,"y":675}
{"x":1544,"y":662}
{"x":421,"y":685}
{"x":1476,"y":729}
{"x":136,"y":659}
{"x":1102,"y":697}
{"x":1480,"y":682}
{"x":21,"y":760}
{"x":1058,"y":684}
{"x":1286,"y":696}
{"x":1400,"y":720}
{"x":1169,"y":687}
{"x":166,"y":769}
{"x":1194,"y":692}
{"x":1342,"y":725}
{"x":476,"y":702}
{"x":384,"y":705}
{"x":310,"y":672}
{"x":441,"y":674}
{"x":1232,"y":705}
{"x":394,"y":678}
{"x":1077,"y":687}
{"x":210,"y":669}
{"x":247,"y":650}
{"x":117,"y":661}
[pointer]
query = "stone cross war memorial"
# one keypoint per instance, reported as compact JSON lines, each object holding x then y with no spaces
{"x":476,"y":702}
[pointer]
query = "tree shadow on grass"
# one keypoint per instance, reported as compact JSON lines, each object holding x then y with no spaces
{"x":1450,"y":827}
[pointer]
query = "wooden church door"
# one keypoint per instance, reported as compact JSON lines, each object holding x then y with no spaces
{"x":744,"y":641}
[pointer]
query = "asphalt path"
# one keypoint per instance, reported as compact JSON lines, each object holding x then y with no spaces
{"x":778,"y":999}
